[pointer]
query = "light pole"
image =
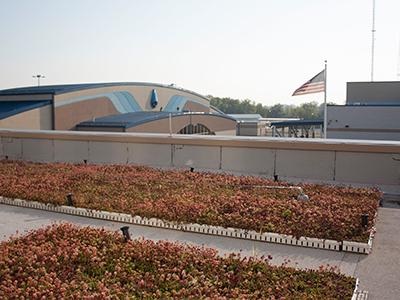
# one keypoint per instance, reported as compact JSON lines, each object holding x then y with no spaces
{"x":38,"y":76}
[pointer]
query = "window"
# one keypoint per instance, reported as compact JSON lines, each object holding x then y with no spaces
{"x":196,"y":129}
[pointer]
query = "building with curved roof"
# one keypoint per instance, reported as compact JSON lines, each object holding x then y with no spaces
{"x":142,"y":106}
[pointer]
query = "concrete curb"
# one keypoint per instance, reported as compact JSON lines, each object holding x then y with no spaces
{"x":364,"y":248}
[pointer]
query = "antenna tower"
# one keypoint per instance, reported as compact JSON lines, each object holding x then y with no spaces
{"x":373,"y":40}
{"x":398,"y":63}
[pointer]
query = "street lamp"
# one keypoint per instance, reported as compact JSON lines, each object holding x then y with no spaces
{"x":38,"y":76}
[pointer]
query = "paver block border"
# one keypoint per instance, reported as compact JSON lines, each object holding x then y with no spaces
{"x":269,"y":237}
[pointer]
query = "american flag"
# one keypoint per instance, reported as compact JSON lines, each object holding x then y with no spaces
{"x":314,"y":85}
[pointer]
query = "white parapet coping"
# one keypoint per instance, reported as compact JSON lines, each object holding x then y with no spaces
{"x":361,"y":247}
{"x":357,"y":247}
{"x":359,"y":294}
{"x":354,"y":297}
{"x":270,"y":237}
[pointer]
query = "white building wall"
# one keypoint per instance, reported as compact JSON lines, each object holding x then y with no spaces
{"x":377,"y":92}
{"x":364,"y":122}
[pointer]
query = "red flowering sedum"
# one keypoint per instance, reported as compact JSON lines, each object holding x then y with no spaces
{"x":183,"y":196}
{"x":66,"y":261}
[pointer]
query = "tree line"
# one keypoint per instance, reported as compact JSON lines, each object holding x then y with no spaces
{"x":310,"y":110}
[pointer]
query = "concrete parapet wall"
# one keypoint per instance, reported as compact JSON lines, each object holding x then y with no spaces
{"x":354,"y":162}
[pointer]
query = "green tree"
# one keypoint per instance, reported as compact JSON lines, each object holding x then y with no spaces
{"x":309,"y":110}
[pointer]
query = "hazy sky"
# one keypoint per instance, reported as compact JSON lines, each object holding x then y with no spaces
{"x":261,"y":50}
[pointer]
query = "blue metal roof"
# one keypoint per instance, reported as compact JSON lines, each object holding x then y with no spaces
{"x":46,"y":89}
{"x":297,"y":122}
{"x":10,"y":108}
{"x":133,"y":119}
{"x":67,"y":88}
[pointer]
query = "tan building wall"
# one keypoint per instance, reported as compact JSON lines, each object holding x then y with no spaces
{"x":69,"y":115}
{"x":75,"y":107}
{"x":226,"y":132}
{"x":104,"y":129}
{"x":39,"y":118}
{"x":195,"y":107}
{"x":251,"y":128}
{"x":71,"y":110}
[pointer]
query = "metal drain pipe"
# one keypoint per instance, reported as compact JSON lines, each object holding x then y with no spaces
{"x":301,"y":196}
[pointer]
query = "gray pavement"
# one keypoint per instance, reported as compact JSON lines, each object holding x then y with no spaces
{"x":379,"y":272}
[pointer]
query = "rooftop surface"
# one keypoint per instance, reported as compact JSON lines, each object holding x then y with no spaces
{"x":379,"y":272}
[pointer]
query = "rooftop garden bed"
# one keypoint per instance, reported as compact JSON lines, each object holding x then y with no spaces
{"x":65,"y":261}
{"x":193,"y":197}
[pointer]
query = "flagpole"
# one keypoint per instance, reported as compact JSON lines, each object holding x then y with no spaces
{"x":325,"y":106}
